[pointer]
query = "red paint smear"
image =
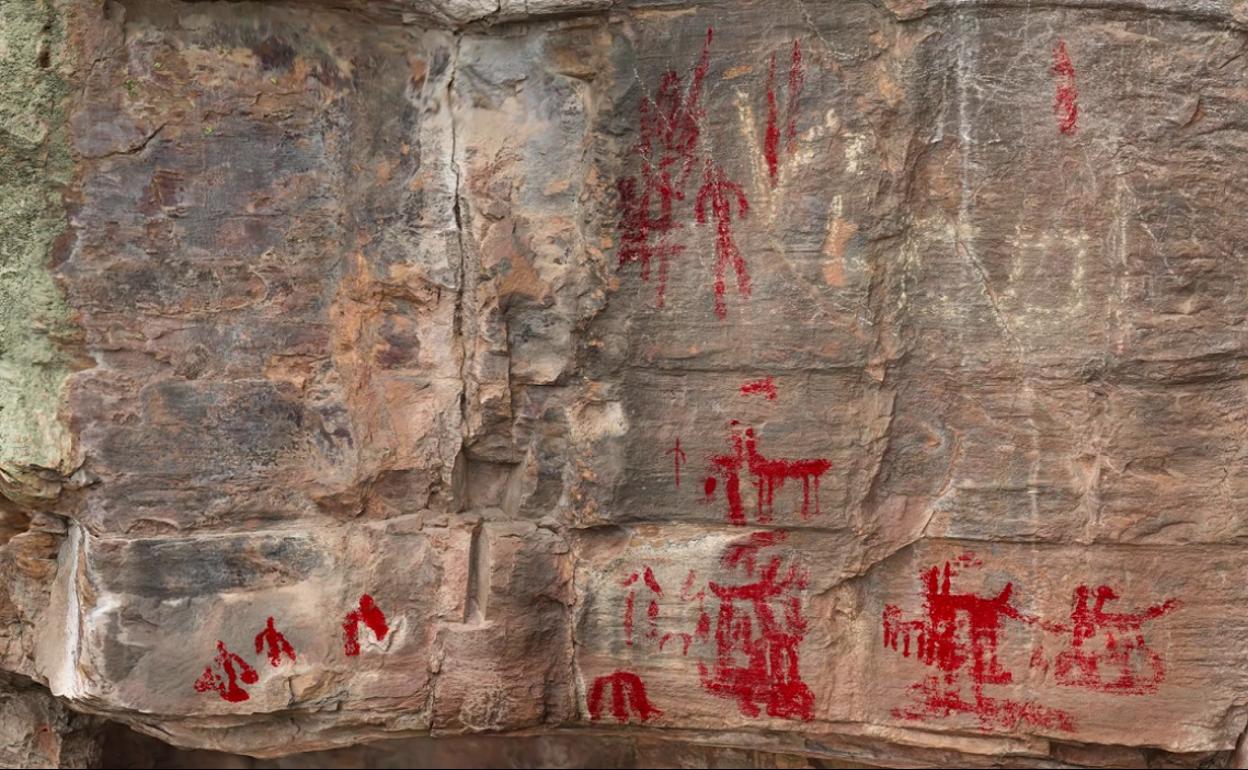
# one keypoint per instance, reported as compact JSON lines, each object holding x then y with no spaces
{"x":748,"y":627}
{"x":769,"y":475}
{"x":1066,"y":104}
{"x":708,"y":486}
{"x":670,"y":127}
{"x":227,"y":686}
{"x":720,"y":193}
{"x":628,"y":697}
{"x":765,"y":386}
{"x":771,"y":141}
{"x":370,"y":615}
{"x":276,"y":642}
{"x":960,"y":634}
{"x":678,"y":458}
{"x":1114,"y":667}
{"x":630,"y":603}
{"x":797,"y":78}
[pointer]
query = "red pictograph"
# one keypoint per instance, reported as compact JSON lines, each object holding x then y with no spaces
{"x":1107,"y":651}
{"x":960,"y":634}
{"x":670,"y":127}
{"x":368,"y":614}
{"x":765,"y":387}
{"x":718,"y":194}
{"x":758,"y":632}
{"x":771,"y":139}
{"x":632,"y":582}
{"x":1066,"y":103}
{"x":668,"y":148}
{"x":276,"y":643}
{"x":628,"y":697}
{"x":768,"y":475}
{"x":232,"y":668}
{"x":679,"y":458}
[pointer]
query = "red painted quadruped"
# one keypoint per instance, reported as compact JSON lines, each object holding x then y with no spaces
{"x":628,"y":697}
{"x":1123,"y":663}
{"x":959,"y":635}
{"x":371,"y":616}
{"x":768,"y":474}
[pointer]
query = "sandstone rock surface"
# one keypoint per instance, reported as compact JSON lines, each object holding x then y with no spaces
{"x":797,"y":380}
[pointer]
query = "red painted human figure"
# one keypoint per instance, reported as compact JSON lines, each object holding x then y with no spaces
{"x":717,"y":196}
{"x":1107,"y":651}
{"x":368,"y":614}
{"x":233,"y":668}
{"x":768,"y":475}
{"x":628,"y":697}
{"x":758,"y":634}
{"x":959,"y":636}
{"x":276,"y":643}
{"x":670,"y":127}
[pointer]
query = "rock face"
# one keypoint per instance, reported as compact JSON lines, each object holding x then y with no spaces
{"x":842,"y":379}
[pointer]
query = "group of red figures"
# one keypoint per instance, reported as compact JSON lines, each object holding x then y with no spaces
{"x":670,"y":157}
{"x":757,"y":628}
{"x":228,"y":668}
{"x":959,"y":635}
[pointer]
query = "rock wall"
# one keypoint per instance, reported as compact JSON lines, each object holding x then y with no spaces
{"x":843,"y":379}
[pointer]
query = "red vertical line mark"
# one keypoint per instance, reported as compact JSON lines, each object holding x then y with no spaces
{"x":1066,"y":103}
{"x":678,"y":458}
{"x":629,"y":609}
{"x":771,"y":141}
{"x":797,"y":78}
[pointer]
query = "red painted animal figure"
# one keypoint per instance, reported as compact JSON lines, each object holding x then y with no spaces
{"x":628,"y":697}
{"x":758,"y":634}
{"x":276,"y":642}
{"x":959,"y":636}
{"x":1122,"y":663}
{"x":233,"y":669}
{"x":768,"y":476}
{"x":368,"y":614}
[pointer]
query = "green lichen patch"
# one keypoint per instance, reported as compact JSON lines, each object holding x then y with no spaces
{"x":34,"y":163}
